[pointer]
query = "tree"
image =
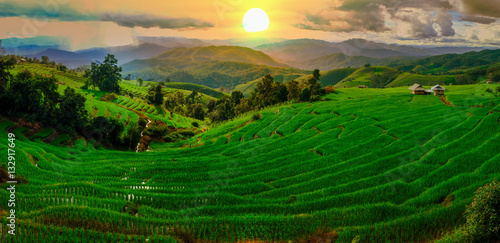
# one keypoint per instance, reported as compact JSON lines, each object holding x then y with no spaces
{"x":263,"y":92}
{"x":72,"y":112}
{"x":243,"y":107}
{"x":196,"y":111}
{"x":5,"y":76}
{"x":110,"y":74}
{"x":223,"y":111}
{"x":280,"y":93}
{"x":61,"y":67}
{"x":140,"y":81}
{"x":129,"y":77}
{"x":193,"y":97}
{"x":158,"y":97}
{"x":367,"y":65}
{"x":483,"y":215}
{"x":45,"y":60}
{"x":236,"y":96}
{"x":293,"y":90}
{"x":305,"y":95}
{"x":105,"y":76}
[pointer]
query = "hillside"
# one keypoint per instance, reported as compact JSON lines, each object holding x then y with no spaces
{"x":219,"y":53}
{"x":212,"y":73}
{"x":444,"y":63}
{"x":375,"y":77}
{"x":339,"y":60}
{"x":124,"y":108}
{"x":203,"y":89}
{"x":377,"y":165}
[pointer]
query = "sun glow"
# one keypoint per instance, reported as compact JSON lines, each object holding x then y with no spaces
{"x":255,"y":20}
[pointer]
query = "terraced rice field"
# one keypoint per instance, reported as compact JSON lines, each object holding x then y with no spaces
{"x":378,"y":164}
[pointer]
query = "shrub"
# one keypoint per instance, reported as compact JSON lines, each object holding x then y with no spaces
{"x":108,"y":97}
{"x":195,"y":124}
{"x":483,"y":214}
{"x":256,"y":117}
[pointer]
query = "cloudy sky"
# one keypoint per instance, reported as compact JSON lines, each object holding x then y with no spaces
{"x":90,"y":23}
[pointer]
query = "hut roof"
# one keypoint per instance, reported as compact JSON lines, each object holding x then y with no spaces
{"x":438,"y":87}
{"x":416,"y":87}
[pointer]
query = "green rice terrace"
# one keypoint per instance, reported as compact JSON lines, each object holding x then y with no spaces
{"x":364,"y":165}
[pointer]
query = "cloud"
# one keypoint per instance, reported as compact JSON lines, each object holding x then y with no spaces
{"x":477,"y":19}
{"x":413,"y":18}
{"x":445,"y":21}
{"x":367,"y":18}
{"x":66,"y":13}
{"x":416,"y":23}
{"x":149,"y":21}
{"x":486,"y":8}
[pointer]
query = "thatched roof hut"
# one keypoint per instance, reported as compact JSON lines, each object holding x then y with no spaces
{"x":417,"y":89}
{"x":438,"y":90}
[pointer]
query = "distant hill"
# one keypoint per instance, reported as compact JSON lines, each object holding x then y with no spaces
{"x":220,"y":53}
{"x":301,"y":53}
{"x":196,"y":87}
{"x":375,"y":77}
{"x":443,"y":63}
{"x":124,"y":54}
{"x":305,"y":49}
{"x":212,"y":66}
{"x":340,"y":60}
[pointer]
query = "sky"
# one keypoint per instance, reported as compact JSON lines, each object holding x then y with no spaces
{"x":92,"y":23}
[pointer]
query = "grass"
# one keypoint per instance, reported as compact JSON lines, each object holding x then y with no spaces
{"x":378,"y":165}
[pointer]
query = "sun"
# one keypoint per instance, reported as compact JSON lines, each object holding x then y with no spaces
{"x":255,"y":20}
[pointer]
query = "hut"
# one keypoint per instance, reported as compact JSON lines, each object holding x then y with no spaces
{"x":362,"y":86}
{"x":438,"y":90}
{"x":418,"y":90}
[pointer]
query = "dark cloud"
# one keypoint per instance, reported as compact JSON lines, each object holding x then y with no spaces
{"x":486,"y":8}
{"x":424,"y":18}
{"x":367,"y":18}
{"x":149,"y":21}
{"x":477,"y":19}
{"x":65,"y":13}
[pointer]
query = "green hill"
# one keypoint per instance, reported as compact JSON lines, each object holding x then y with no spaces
{"x":339,"y":60}
{"x":375,"y":77}
{"x":213,"y":74}
{"x":219,"y":53}
{"x":376,"y":165}
{"x":443,"y":63}
{"x":204,"y":89}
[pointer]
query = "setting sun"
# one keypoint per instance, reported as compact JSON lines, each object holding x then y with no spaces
{"x":255,"y":20}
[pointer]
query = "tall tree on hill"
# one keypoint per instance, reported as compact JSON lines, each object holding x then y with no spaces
{"x":140,"y":81}
{"x":158,"y":97}
{"x":129,"y":77}
{"x":105,"y":76}
{"x":110,"y":74}
{"x":236,"y":96}
{"x":72,"y":112}
{"x":45,"y":60}
{"x":293,"y":90}
{"x":5,"y":76}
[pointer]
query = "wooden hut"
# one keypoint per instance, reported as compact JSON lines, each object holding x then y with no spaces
{"x":418,"y":89}
{"x":362,"y":86}
{"x":438,"y":90}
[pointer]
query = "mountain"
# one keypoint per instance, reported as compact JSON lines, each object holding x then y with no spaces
{"x":124,"y":54}
{"x":172,"y":42}
{"x":340,"y":60}
{"x":299,"y":53}
{"x":443,"y":63}
{"x":220,"y":53}
{"x":212,"y":66}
